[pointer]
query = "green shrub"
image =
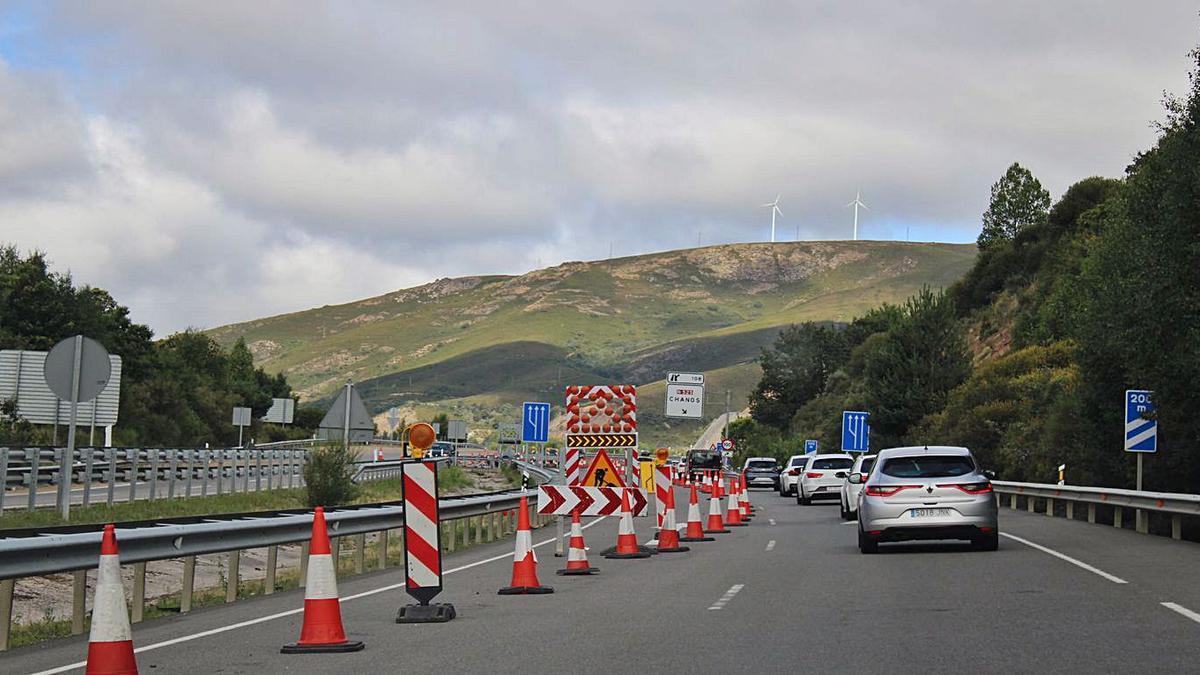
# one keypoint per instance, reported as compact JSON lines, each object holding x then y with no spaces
{"x":328,"y":475}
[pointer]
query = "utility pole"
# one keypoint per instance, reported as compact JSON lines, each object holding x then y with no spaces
{"x":727,"y":395}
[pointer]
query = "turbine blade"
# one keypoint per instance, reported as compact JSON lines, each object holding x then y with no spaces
{"x":863,"y":205}
{"x":778,"y":210}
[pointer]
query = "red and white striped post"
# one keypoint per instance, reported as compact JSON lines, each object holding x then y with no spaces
{"x":574,"y":466}
{"x":422,"y":546}
{"x":662,"y":484}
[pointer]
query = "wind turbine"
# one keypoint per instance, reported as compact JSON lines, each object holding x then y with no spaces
{"x":774,"y":210}
{"x":857,"y":203}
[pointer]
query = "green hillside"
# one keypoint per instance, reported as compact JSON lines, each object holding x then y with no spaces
{"x":477,"y":344}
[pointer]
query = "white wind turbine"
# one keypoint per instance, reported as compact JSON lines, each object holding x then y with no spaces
{"x":857,"y":203}
{"x":774,"y":210}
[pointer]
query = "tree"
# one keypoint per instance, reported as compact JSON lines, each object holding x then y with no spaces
{"x":795,"y":370}
{"x":1018,"y":201}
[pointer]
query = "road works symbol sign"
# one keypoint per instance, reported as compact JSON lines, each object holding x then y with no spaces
{"x":602,"y":473}
{"x":1141,"y":434}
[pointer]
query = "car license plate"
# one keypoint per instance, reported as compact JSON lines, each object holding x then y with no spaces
{"x":929,"y":513}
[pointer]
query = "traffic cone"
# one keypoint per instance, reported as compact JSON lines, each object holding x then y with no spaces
{"x":695,"y":530}
{"x":627,"y":544}
{"x":322,"y":630}
{"x":110,"y":644}
{"x":706,"y":483}
{"x":744,"y":500}
{"x":715,"y":524}
{"x":668,"y":536}
{"x":524,"y":576}
{"x":733,"y":515}
{"x":577,"y":562}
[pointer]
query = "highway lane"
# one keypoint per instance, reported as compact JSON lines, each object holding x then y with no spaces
{"x":810,"y":602}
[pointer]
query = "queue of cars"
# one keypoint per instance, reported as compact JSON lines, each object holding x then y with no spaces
{"x":899,"y":494}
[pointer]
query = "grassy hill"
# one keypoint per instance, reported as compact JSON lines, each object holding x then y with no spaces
{"x":477,"y":346}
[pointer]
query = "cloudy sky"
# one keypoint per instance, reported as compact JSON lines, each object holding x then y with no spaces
{"x":217,"y":161}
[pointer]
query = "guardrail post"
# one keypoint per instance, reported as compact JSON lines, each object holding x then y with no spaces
{"x":88,"y":465}
{"x":1031,"y":503}
{"x":272,"y":560}
{"x":3,"y":477}
{"x":1141,"y":521}
{"x":479,"y":530}
{"x":1092,"y":514}
{"x":258,"y":470}
{"x":231,"y":578}
{"x":1012,"y":501}
{"x":360,"y":550}
{"x":174,"y":468}
{"x":1070,"y":510}
{"x":191,"y":470}
{"x":335,"y":547}
{"x":1049,"y":506}
{"x":466,"y":540}
{"x":153,"y":473}
{"x":132,"y":454}
{"x":139,"y":592}
{"x":303,"y":563}
{"x":1118,"y":514}
{"x":33,"y":456}
{"x":6,"y":597}
{"x":78,"y":600}
{"x":1176,"y":526}
{"x":382,"y":549}
{"x":189,"y":583}
{"x":111,"y":456}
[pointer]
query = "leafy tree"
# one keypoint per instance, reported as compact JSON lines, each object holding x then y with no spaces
{"x":442,"y":420}
{"x":1018,"y":201}
{"x":795,"y":369}
{"x":328,"y":476}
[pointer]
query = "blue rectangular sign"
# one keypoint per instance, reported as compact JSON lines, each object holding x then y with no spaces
{"x":535,"y":423}
{"x":856,"y":431}
{"x":1141,"y":434}
{"x":810,"y":446}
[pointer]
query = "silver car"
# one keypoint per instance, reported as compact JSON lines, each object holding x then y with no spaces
{"x":932,"y":492}
{"x":850,"y":489}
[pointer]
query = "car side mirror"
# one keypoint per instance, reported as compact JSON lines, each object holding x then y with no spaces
{"x":856,"y":478}
{"x":991,"y":475}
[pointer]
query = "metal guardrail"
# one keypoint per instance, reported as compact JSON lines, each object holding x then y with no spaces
{"x":1174,"y":503}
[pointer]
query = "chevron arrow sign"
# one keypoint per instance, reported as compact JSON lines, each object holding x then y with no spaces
{"x":602,"y":440}
{"x":561,"y":500}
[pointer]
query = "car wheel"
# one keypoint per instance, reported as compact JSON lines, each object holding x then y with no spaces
{"x":845,"y":514}
{"x":987,"y":542}
{"x":866,"y":544}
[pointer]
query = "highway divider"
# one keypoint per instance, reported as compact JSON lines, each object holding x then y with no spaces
{"x":1046,"y":498}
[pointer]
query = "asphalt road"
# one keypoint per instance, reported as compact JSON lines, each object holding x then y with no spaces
{"x":792,"y":595}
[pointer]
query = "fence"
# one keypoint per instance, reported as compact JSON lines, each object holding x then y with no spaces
{"x":1116,"y":501}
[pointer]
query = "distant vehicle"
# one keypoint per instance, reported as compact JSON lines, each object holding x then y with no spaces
{"x":790,"y":475}
{"x":850,"y":490}
{"x":761,"y":471}
{"x":441,"y":449}
{"x":934,"y":492}
{"x":700,"y":460}
{"x":822,"y":477}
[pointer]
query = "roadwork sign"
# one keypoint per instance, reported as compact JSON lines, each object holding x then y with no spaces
{"x":1141,"y":434}
{"x":602,"y":473}
{"x":685,"y":401}
{"x":561,"y":500}
{"x":602,"y":440}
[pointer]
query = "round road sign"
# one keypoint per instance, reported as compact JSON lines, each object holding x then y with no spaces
{"x":727,"y":444}
{"x":94,"y":368}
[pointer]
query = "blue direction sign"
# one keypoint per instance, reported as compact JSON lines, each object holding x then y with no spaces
{"x":1141,"y":434}
{"x":535,"y":423}
{"x":856,"y":431}
{"x":810,"y":446}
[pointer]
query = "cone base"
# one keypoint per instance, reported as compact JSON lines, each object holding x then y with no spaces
{"x":717,"y":531}
{"x":613,"y":549}
{"x":335,"y":648}
{"x":697,"y":539}
{"x":627,"y":556}
{"x":438,"y":613}
{"x":581,"y":571}
{"x":525,"y":590}
{"x":674,"y":549}
{"x":735,"y":524}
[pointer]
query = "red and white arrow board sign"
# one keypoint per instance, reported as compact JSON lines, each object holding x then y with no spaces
{"x":561,"y":500}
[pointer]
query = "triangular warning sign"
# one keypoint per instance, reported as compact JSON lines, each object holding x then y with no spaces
{"x":602,"y":472}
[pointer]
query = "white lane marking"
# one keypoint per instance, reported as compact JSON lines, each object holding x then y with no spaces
{"x":724,"y":599}
{"x":291,"y":612}
{"x":771,"y":545}
{"x":1062,"y":556}
{"x":1194,"y":616}
{"x":771,"y":521}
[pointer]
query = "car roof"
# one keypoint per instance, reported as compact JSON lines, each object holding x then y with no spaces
{"x":751,"y":459}
{"x":918,"y":450}
{"x":832,"y":454}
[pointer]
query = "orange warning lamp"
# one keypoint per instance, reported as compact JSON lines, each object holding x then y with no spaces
{"x":661,"y":455}
{"x":421,"y":437}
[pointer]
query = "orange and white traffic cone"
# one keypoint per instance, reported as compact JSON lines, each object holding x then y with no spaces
{"x":715,"y":524}
{"x":110,"y":645}
{"x":524,"y":575}
{"x":668,"y":536}
{"x":695,"y":530}
{"x":577,"y":562}
{"x":733,"y":516}
{"x":322,"y":631}
{"x":744,"y":500}
{"x":706,"y":483}
{"x":627,"y":544}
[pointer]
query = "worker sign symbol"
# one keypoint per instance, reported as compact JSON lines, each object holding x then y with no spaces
{"x":602,"y":472}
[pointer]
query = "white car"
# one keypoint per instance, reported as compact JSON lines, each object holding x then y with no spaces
{"x":822,"y":477}
{"x":791,"y":474}
{"x":862,"y":467}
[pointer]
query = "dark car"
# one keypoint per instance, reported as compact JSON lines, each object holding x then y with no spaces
{"x":762,"y":471}
{"x":702,"y":460}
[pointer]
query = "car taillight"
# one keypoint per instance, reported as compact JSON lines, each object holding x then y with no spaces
{"x":887,"y":490}
{"x":793,"y":472}
{"x":971,"y":488}
{"x":814,"y":474}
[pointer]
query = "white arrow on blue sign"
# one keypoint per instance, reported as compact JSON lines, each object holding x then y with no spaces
{"x":810,"y":446}
{"x":1141,"y":434}
{"x":856,"y":431}
{"x":535,"y":422}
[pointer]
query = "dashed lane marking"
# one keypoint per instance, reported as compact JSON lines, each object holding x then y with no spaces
{"x":771,"y":521}
{"x":771,"y":545}
{"x":1062,"y":556}
{"x":1180,"y":609}
{"x":724,"y":599}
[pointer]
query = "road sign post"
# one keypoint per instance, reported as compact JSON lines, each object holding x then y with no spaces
{"x":77,"y":369}
{"x":856,"y":431}
{"x":1141,"y":434}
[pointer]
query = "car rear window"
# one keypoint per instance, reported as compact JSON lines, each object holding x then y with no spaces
{"x":832,"y":463}
{"x":798,"y":461}
{"x":703,"y":456}
{"x":866,"y":465}
{"x":761,"y":464}
{"x":932,"y":466}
